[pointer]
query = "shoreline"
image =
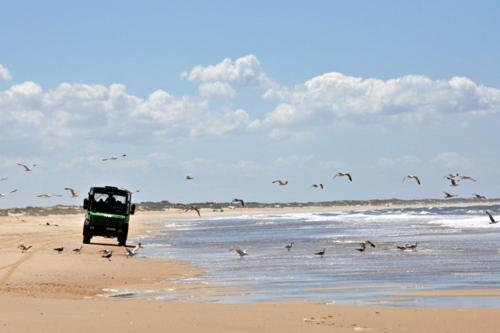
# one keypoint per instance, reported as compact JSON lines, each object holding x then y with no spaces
{"x":40,"y":289}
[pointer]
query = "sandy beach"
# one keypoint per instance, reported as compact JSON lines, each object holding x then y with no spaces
{"x":44,"y":291}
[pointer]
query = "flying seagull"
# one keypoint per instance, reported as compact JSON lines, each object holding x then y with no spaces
{"x":289,"y":246}
{"x":48,"y":195}
{"x":3,"y":178}
{"x":412,"y":177}
{"x":449,"y":195}
{"x":241,"y":252}
{"x":113,"y":158}
{"x":479,"y":196}
{"x":319,"y":185}
{"x":72,"y":192}
{"x":454,"y":182}
{"x":78,"y":249}
{"x":362,"y":245}
{"x":27,"y":167}
{"x":408,"y":246}
{"x":280,"y":182}
{"x":467,"y":178}
{"x":6,"y":194}
{"x":196,"y":209}
{"x":492,"y":219}
{"x":320,"y":253}
{"x":24,"y":248}
{"x":239,"y":201}
{"x":188,"y":177}
{"x":344,"y":174}
{"x":59,"y":249}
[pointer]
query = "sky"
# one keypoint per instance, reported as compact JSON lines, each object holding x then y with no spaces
{"x":240,"y":94}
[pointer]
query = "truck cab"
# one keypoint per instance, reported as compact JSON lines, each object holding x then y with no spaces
{"x":108,"y":211}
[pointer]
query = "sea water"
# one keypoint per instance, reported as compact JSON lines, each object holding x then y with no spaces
{"x":457,"y":249}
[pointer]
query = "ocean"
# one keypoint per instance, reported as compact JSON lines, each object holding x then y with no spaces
{"x":457,"y":249}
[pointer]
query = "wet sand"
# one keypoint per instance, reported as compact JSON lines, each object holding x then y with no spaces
{"x":44,"y":291}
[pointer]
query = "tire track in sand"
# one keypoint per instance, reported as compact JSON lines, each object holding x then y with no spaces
{"x":15,"y":265}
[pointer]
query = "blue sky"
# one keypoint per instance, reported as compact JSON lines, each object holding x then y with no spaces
{"x":241,"y":94}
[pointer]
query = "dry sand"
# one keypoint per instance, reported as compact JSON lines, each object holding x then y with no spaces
{"x":43,"y":291}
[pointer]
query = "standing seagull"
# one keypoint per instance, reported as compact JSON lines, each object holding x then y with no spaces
{"x":72,"y":192}
{"x":449,"y":195}
{"x":24,"y":248}
{"x":27,"y":167}
{"x":133,"y":252}
{"x":78,"y":249}
{"x":289,"y":246}
{"x":321,"y":253}
{"x":280,"y":182}
{"x":492,"y":219}
{"x":412,"y":177}
{"x":239,"y":201}
{"x":107,"y":254}
{"x":59,"y":249}
{"x":344,"y":174}
{"x":113,"y":158}
{"x":319,"y":185}
{"x":6,"y":194}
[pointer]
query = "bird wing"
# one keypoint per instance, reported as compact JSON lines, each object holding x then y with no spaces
{"x":492,"y":219}
{"x":418,"y":180}
{"x":24,"y":166}
{"x":350,"y":177}
{"x":370,"y":243}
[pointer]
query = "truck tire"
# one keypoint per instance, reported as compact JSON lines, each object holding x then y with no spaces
{"x":87,"y":236}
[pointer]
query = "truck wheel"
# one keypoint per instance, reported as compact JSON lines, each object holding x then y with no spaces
{"x":86,"y":238}
{"x":122,"y":240}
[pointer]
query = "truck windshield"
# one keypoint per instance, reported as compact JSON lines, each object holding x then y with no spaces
{"x":110,"y":203}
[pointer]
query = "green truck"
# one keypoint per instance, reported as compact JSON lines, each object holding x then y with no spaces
{"x":108,"y":211}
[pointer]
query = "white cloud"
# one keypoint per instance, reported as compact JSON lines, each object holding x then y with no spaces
{"x":244,"y":71}
{"x":4,"y":73}
{"x":412,"y":98}
{"x":216,"y":89}
{"x":452,"y":161}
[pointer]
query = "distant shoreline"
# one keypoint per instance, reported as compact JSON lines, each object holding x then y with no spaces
{"x":161,"y":206}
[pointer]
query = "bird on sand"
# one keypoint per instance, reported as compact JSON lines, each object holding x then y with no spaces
{"x":107,"y":254}
{"x":6,"y":194}
{"x":113,"y":158}
{"x":479,"y":196}
{"x":467,"y":178}
{"x":24,"y":248}
{"x":78,"y":249}
{"x":27,"y":167}
{"x":449,"y":195}
{"x":344,"y":174}
{"x":133,"y":252}
{"x":320,"y":253}
{"x":48,"y":195}
{"x":362,"y":245}
{"x":289,"y":246}
{"x":59,"y":249}
{"x":492,"y":219}
{"x":319,"y":185}
{"x":236,"y":200}
{"x":72,"y":192}
{"x":241,"y":252}
{"x":188,"y":177}
{"x":412,"y":177}
{"x":280,"y":182}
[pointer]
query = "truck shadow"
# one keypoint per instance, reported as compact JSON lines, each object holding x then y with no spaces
{"x":110,"y":244}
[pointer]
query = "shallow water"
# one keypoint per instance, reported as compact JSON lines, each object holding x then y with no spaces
{"x":457,"y":249}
